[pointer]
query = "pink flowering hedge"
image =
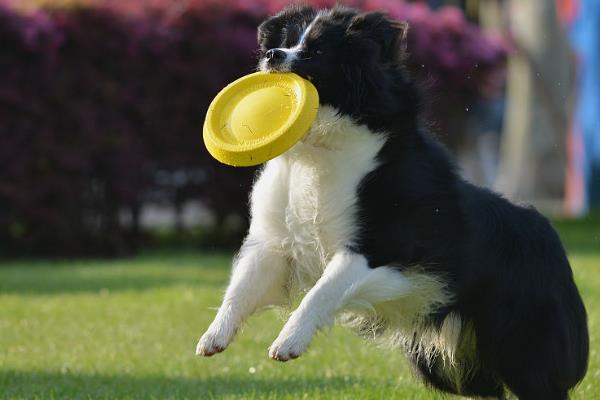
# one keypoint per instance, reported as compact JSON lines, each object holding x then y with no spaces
{"x":101,"y":109}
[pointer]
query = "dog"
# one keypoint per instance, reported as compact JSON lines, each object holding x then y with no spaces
{"x":368,"y":218}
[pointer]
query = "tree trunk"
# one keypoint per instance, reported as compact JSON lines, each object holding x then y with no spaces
{"x":532,"y":166}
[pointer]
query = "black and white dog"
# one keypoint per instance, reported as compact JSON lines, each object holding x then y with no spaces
{"x":368,"y":217}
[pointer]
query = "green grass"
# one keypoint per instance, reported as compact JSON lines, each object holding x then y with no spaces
{"x":127,"y":329}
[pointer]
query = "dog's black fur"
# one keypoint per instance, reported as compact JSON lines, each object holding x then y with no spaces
{"x":504,"y":263}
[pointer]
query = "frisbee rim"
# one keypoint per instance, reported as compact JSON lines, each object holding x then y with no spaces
{"x":272,"y":144}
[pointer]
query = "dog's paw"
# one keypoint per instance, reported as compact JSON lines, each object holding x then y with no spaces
{"x":287,"y":347}
{"x":212,"y":343}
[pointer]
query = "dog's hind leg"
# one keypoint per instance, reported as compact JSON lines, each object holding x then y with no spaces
{"x":347,"y":279}
{"x":258,"y":280}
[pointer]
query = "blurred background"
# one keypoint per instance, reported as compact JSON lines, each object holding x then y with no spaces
{"x":117,"y":228}
{"x":102,"y":106}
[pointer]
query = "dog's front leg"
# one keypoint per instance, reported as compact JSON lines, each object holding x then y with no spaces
{"x":346,"y":279}
{"x":258,"y":280}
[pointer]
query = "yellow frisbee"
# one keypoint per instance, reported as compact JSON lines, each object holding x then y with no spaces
{"x":258,"y":117}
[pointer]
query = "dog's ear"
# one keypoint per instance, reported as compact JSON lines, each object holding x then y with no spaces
{"x":373,"y":42}
{"x":272,"y":31}
{"x":389,"y":35}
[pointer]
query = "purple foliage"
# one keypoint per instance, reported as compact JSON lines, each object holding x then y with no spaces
{"x":96,"y":102}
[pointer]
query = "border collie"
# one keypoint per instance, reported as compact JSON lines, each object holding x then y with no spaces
{"x":368,"y":219}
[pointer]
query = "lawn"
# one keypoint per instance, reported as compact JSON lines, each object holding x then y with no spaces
{"x":127,"y":329}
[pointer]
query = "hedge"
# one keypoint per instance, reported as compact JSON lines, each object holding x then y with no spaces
{"x":101,"y":109}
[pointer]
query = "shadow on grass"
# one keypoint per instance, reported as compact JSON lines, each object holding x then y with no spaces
{"x":32,"y":385}
{"x":172,"y":267}
{"x":581,"y":236}
{"x":54,"y":285}
{"x":147,"y":271}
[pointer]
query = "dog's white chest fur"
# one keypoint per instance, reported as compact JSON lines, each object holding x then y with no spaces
{"x":304,"y":216}
{"x":305,"y":199}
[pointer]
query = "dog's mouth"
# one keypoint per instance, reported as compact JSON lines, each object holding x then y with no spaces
{"x":296,"y":71}
{"x":279,"y":69}
{"x":266,"y":66}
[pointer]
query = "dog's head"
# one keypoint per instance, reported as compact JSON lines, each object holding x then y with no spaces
{"x":354,"y":59}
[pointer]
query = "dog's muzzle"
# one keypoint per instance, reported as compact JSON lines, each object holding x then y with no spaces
{"x":278,"y":60}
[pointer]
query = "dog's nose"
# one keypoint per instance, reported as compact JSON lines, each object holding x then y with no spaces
{"x":275,"y":55}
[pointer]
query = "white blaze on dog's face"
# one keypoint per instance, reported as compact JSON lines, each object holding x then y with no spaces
{"x":282,"y":38}
{"x":281,"y":59}
{"x":346,"y":54}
